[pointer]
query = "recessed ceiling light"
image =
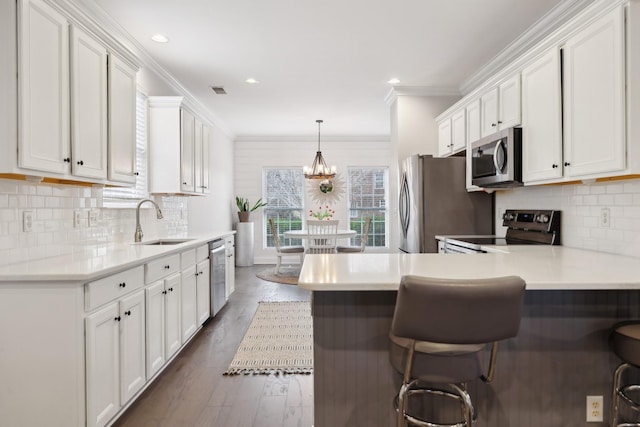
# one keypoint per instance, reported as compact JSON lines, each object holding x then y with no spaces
{"x":393,"y":81}
{"x":251,"y":81}
{"x":159,"y":38}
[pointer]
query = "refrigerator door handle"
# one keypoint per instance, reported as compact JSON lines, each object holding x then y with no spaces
{"x":404,"y":204}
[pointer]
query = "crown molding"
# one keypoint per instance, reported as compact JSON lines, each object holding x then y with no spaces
{"x":550,"y":22}
{"x":397,"y":91}
{"x":93,"y":15}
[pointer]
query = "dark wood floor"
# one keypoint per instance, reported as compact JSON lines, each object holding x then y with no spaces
{"x":193,"y":392}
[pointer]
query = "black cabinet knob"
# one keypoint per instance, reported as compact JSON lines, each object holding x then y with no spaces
{"x":494,"y":125}
{"x":164,"y":292}
{"x":67,"y":160}
{"x":567,"y":164}
{"x":554,"y":166}
{"x":137,"y":173}
{"x":184,"y":183}
{"x":167,"y":267}
{"x":170,"y":289}
{"x":81,"y":163}
{"x":123,"y":285}
{"x":117,"y":319}
{"x":128,"y":312}
{"x":499,"y":122}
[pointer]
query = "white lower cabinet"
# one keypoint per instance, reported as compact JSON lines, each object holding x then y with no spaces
{"x":163,"y":322}
{"x":230,"y":270}
{"x":203,"y":291}
{"x":188,"y":299}
{"x":115,"y":357}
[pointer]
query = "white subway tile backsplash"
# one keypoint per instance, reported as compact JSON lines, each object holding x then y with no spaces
{"x":53,"y":230}
{"x":581,"y":207}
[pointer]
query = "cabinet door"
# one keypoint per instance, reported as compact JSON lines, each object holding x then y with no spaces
{"x":155,"y":319}
{"x":187,"y":148}
{"x":103,"y":365}
{"x":489,"y":113}
{"x":43,"y":75}
{"x":542,"y":119}
{"x":594,"y":96}
{"x":509,"y":103}
{"x":197,"y":155}
{"x":458,"y":130}
{"x":122,"y":121}
{"x":206,"y":132}
{"x":203,"y":290}
{"x":188,"y":303}
{"x":473,"y":122}
{"x":132,"y":346}
{"x":230,"y":271}
{"x":172,"y":315}
{"x":88,"y":106}
{"x":444,"y":137}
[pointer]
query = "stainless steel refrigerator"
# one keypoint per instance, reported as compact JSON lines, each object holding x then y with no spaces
{"x":434,"y":201}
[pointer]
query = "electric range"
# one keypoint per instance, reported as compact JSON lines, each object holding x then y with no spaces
{"x":524,"y":227}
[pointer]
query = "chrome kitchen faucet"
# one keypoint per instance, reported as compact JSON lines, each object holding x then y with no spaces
{"x":138,"y":235}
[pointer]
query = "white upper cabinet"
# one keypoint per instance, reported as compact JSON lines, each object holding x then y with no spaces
{"x":500,"y":107}
{"x":542,"y":119}
{"x":444,"y":137}
{"x":459,"y":130}
{"x":179,"y":157}
{"x":594,"y":98}
{"x":122,"y":123}
{"x":88,"y":106}
{"x":43,"y":88}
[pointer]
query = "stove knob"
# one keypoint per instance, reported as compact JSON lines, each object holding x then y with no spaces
{"x":508,"y":216}
{"x":543,"y":218}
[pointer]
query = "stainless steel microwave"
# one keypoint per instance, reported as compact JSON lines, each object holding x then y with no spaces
{"x":496,"y":160}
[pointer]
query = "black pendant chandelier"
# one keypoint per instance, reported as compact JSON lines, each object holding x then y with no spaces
{"x":319,"y":169}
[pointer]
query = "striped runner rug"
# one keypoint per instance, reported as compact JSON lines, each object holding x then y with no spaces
{"x":279,"y":340}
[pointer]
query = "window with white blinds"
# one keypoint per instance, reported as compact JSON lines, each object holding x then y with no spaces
{"x":125,"y":197}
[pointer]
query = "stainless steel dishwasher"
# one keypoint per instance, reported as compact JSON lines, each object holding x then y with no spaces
{"x":217,"y":258}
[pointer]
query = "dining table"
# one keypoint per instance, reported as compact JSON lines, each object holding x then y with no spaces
{"x":304,"y":234}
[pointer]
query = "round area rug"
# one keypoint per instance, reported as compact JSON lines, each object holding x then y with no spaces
{"x":288,"y":274}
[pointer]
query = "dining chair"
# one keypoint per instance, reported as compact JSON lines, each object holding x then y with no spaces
{"x":363,"y":240}
{"x":284,"y":250}
{"x":322,"y":236}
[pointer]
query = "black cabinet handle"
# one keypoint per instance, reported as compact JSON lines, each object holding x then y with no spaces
{"x":137,"y":173}
{"x":67,"y":160}
{"x":164,"y":292}
{"x":499,"y":122}
{"x":567,"y":164}
{"x":81,"y":163}
{"x":494,"y":125}
{"x":117,"y":319}
{"x":554,"y":166}
{"x":128,"y":312}
{"x":123,"y":285}
{"x":184,"y":183}
{"x":170,"y":289}
{"x":167,"y":267}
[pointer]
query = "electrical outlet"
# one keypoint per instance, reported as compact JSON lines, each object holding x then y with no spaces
{"x":594,"y":409}
{"x":605,"y":217}
{"x":27,"y":221}
{"x":77,"y":218}
{"x":93,"y":217}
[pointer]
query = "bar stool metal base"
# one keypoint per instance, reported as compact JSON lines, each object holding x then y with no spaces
{"x":621,"y":393}
{"x":459,"y":393}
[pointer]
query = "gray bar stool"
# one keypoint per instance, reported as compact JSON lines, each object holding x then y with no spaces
{"x":625,"y":342}
{"x":439,"y":329}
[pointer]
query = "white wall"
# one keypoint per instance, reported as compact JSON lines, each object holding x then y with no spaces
{"x":413,"y":126}
{"x":581,"y":206}
{"x":252,"y":156}
{"x":214,"y":211}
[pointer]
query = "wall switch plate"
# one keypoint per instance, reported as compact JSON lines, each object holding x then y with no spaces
{"x":93,"y":217}
{"x":594,"y":409}
{"x":27,"y":221}
{"x":605,"y":217}
{"x":77,"y":218}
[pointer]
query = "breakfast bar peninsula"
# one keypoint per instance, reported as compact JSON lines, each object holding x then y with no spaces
{"x":560,"y":355}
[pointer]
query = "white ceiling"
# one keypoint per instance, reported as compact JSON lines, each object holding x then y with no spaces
{"x":326,"y":59}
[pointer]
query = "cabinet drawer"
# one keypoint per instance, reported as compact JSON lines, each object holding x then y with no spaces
{"x":202,"y":253}
{"x":109,"y":288}
{"x":187,"y":258}
{"x":161,"y":267}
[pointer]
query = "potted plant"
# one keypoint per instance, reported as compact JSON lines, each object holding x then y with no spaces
{"x":244,"y":210}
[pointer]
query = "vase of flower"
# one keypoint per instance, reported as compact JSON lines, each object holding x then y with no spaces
{"x":322,"y":213}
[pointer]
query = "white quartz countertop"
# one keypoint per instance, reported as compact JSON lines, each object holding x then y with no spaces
{"x":91,"y":261}
{"x":542,"y":267}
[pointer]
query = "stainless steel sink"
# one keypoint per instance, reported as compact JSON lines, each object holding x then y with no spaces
{"x":165,"y":242}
